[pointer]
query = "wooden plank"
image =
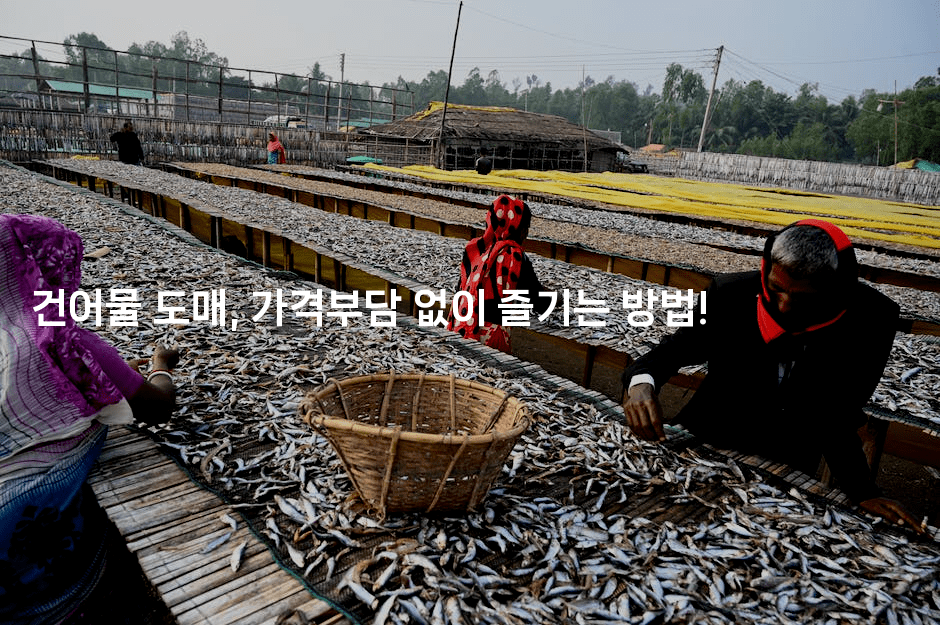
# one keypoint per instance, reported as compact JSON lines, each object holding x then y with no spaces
{"x":267,"y":600}
{"x":129,"y":482}
{"x":199,"y":582}
{"x":913,"y":443}
{"x":162,"y":535}
{"x":173,"y":503}
{"x":168,"y":521}
{"x":177,"y":566}
{"x":311,"y":610}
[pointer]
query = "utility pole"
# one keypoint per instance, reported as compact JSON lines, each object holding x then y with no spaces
{"x":339,"y":101}
{"x":453,"y":50}
{"x":583,"y":121}
{"x":895,"y":101}
{"x":708,"y":106}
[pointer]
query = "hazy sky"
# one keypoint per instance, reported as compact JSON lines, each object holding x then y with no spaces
{"x":843,"y":46}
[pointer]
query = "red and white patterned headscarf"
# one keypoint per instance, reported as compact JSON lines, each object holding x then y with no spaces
{"x":492,"y":262}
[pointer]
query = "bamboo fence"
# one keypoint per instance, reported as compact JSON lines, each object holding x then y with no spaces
{"x":888,"y":183}
{"x":29,"y":134}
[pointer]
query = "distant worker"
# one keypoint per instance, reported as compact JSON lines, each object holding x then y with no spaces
{"x":495,"y":263}
{"x":484,"y":164}
{"x":794,"y":352}
{"x":276,"y":153}
{"x":129,"y":148}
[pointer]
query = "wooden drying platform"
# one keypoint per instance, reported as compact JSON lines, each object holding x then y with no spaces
{"x":909,"y":438}
{"x":168,"y":521}
{"x":668,"y":274}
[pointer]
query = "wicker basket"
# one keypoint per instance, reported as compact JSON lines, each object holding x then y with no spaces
{"x":417,"y":442}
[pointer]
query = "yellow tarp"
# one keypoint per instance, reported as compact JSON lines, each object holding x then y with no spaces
{"x":433,"y":107}
{"x":909,"y":224}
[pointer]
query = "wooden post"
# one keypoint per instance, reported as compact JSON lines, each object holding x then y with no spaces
{"x":214,"y":237}
{"x":265,"y":248}
{"x":36,"y":72}
{"x":588,"y":366}
{"x":288,"y":255}
{"x":153,"y":85}
{"x":117,"y":85}
{"x":249,"y":243}
{"x":85,"y":79}
{"x":453,"y":51}
{"x":307,"y":102}
{"x":221,"y":74}
{"x":187,"y":90}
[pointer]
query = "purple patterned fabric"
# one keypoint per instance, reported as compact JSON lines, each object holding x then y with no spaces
{"x":51,"y":385}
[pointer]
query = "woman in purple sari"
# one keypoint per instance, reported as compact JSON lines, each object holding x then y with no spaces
{"x":60,"y":387}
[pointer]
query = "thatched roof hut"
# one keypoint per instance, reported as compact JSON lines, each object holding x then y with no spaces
{"x":515,"y":139}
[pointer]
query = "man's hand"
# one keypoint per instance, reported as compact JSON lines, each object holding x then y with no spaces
{"x":892,"y":511}
{"x":644,"y":413}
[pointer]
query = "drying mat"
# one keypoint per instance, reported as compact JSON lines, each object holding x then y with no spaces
{"x":235,"y":456}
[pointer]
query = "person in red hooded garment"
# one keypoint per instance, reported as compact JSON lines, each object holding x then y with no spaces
{"x":794,"y":353}
{"x":495,"y":263}
{"x":277,"y":155}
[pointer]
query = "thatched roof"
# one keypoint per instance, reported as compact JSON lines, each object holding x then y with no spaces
{"x":490,"y":125}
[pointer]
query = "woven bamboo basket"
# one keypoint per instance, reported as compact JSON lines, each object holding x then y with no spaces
{"x":417,"y":442}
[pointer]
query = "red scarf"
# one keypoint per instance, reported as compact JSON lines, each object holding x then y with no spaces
{"x":491,"y":263}
{"x":770,"y":329}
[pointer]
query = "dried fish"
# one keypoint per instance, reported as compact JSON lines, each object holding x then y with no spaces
{"x":544,"y":548}
{"x":235,"y":560}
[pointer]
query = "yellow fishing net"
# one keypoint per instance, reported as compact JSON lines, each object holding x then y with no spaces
{"x":909,"y":224}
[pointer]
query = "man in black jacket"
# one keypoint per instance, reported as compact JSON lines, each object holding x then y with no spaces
{"x":794,"y":352}
{"x":129,"y":148}
{"x":483,"y":164}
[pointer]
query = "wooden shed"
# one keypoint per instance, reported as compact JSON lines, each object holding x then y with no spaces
{"x":514,"y":139}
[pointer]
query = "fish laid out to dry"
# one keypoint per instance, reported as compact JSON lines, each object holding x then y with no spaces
{"x":432,"y":260}
{"x":586,"y":524}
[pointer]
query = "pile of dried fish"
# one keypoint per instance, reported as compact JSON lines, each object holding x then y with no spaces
{"x":600,"y":218}
{"x":432,"y":260}
{"x":606,"y":230}
{"x":586,"y":524}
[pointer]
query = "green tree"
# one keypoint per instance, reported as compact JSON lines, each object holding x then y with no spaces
{"x":472,"y":91}
{"x":808,"y":141}
{"x":13,"y":72}
{"x":495,"y":91}
{"x":919,"y":122}
{"x":99,"y":57}
{"x":683,"y":104}
{"x":871,"y":133}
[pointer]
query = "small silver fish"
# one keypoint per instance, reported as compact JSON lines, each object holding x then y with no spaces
{"x":235,"y":560}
